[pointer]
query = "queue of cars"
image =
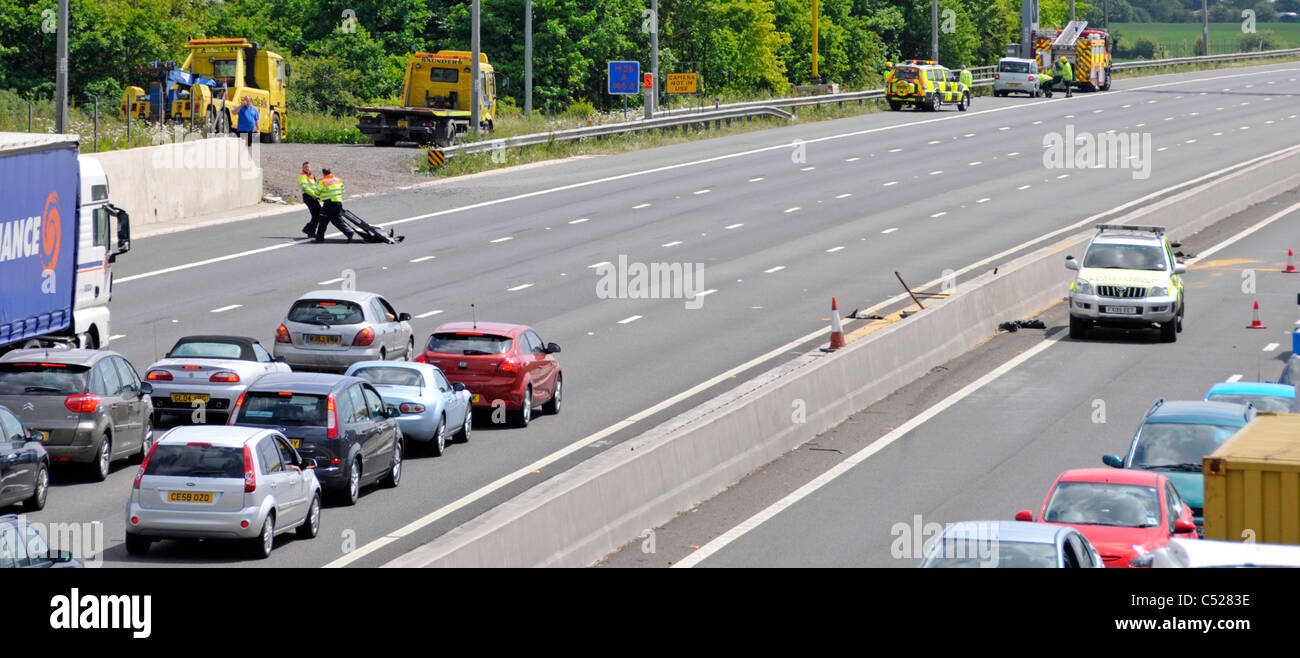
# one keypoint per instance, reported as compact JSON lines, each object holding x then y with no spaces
{"x":329,"y":410}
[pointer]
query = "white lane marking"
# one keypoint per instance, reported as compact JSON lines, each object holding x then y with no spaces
{"x":845,"y":195}
{"x":1270,"y":122}
{"x":1098,"y":111}
{"x":853,"y":159}
{"x":1191,"y":141}
{"x":1013,"y":154}
{"x":1169,"y":118}
{"x":892,"y":182}
{"x":508,"y":237}
{"x":640,"y":206}
{"x":833,"y":249}
{"x":733,"y":226}
{"x":632,"y":318}
{"x":1062,"y":176}
{"x":1024,"y":187}
{"x":984,"y":200}
{"x":519,"y":287}
{"x":770,"y":270}
{"x":223,"y":309}
{"x":755,"y":180}
{"x":790,"y":210}
{"x":1217,"y":134}
{"x":710,"y":291}
{"x":1234,"y":379}
{"x":600,"y":264}
{"x":428,"y":315}
{"x":1270,"y":347}
{"x":894,"y":150}
{"x":704,"y":191}
{"x":1230,"y":241}
{"x":975,"y":163}
{"x":1244,"y":128}
{"x":1069,"y":116}
{"x":807,"y":169}
{"x":1140,"y":125}
{"x":1038,"y":123}
{"x":933,"y":141}
{"x":1005,"y":128}
{"x":938,"y":214}
{"x":1126,"y":107}
{"x":579,"y":221}
{"x":969,"y":135}
{"x":936,"y":173}
{"x":500,"y":482}
{"x":421,"y":259}
{"x":725,"y":539}
{"x":1162,"y":148}
{"x":116,"y":337}
{"x":671,"y":244}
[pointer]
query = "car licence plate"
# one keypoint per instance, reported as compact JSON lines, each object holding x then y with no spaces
{"x":321,"y":339}
{"x":296,"y":443}
{"x":1013,"y":84}
{"x":190,"y":397}
{"x":189,"y":497}
{"x":474,"y":398}
{"x":1122,"y":310}
{"x":40,"y":435}
{"x":402,"y":123}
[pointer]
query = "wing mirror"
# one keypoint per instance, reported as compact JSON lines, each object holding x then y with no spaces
{"x":1071,"y":263}
{"x":309,"y":463}
{"x":392,"y":412}
{"x":1113,"y":461}
{"x":458,"y":387}
{"x":146,"y":388}
{"x":1180,"y":268}
{"x":1183,"y":525}
{"x":1024,"y":515}
{"x":404,"y":317}
{"x":552,"y":349}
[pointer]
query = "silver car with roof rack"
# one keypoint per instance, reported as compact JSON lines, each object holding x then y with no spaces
{"x":329,"y":330}
{"x":1130,"y":277}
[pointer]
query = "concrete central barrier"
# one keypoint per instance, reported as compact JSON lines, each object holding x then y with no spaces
{"x":184,"y":179}
{"x":581,"y":515}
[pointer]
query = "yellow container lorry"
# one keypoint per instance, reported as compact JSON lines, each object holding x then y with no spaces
{"x":205,"y":91}
{"x":1252,"y":483}
{"x":435,"y":101}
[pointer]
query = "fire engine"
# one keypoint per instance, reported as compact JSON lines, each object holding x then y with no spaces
{"x":1087,"y":49}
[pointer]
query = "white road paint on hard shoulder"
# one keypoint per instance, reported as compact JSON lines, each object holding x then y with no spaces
{"x":223,"y":309}
{"x":770,"y":270}
{"x":427,"y":315}
{"x":530,"y":469}
{"x":519,"y":287}
{"x":421,"y":259}
{"x":1233,"y":379}
{"x":628,"y":319}
{"x":508,"y":237}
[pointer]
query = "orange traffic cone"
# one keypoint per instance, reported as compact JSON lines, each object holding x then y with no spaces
{"x":1290,"y":262}
{"x":837,"y":332}
{"x":1255,"y":322}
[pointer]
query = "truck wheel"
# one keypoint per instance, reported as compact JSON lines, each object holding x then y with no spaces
{"x":210,"y":124}
{"x":384,"y":141}
{"x":272,"y":137}
{"x":1105,"y":86}
{"x":1078,"y":328}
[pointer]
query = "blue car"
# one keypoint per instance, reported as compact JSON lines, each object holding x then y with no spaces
{"x":1290,"y":371}
{"x":431,"y":407}
{"x":1265,"y":396}
{"x":1173,"y":438}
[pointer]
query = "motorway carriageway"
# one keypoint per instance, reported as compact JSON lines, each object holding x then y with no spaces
{"x":920,"y":193}
{"x":1038,"y":405}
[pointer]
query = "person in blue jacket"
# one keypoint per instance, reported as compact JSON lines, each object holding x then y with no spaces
{"x":248,"y":118}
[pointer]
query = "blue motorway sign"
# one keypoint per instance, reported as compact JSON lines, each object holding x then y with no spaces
{"x":624,"y":78}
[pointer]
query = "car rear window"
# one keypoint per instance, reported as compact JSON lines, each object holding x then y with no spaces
{"x":208,"y":350}
{"x":1261,"y":402}
{"x":973,"y":553}
{"x":1013,"y":67}
{"x":468,"y":344}
{"x":391,"y":376}
{"x":905,"y":74}
{"x":325,"y":311}
{"x":198,"y":461}
{"x":42,"y":379}
{"x":1104,"y":503}
{"x":276,"y":408}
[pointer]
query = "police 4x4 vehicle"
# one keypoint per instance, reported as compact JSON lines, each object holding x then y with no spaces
{"x":924,"y":84}
{"x":1129,"y":277}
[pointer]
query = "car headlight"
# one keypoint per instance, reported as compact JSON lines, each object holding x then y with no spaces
{"x":1082,"y":286}
{"x":1158,"y":291}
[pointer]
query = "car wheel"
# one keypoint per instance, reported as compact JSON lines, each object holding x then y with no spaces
{"x":383,"y":354}
{"x":525,"y":412}
{"x":439,"y":442}
{"x":146,"y":442}
{"x":1182,"y":308}
{"x":1169,"y":331}
{"x":260,"y":547}
{"x":98,"y":469}
{"x":463,"y":435}
{"x":964,"y":103}
{"x":1078,"y":328}
{"x":137,"y":545}
{"x":157,"y":417}
{"x":311,"y":525}
{"x":895,"y":105}
{"x":552,"y":406}
{"x":36,"y":502}
{"x":410,"y":349}
{"x":394,"y":475}
{"x":352,"y":490}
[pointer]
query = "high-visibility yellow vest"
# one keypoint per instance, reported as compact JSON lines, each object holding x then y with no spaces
{"x":309,"y":185}
{"x":966,"y":78}
{"x":331,"y":189}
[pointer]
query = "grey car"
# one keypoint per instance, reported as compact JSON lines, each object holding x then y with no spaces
{"x":208,"y":372}
{"x":88,"y":407}
{"x":1011,"y":545}
{"x":329,"y":330}
{"x":24,"y":465}
{"x":23,"y":546}
{"x":223,"y":482}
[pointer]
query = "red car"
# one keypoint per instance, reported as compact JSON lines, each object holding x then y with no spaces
{"x":1124,"y":513}
{"x":500,"y":364}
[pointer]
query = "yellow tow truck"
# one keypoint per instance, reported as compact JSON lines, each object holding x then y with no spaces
{"x":435,"y":101}
{"x":206,"y":89}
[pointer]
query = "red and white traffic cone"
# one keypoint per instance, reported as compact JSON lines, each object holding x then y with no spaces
{"x":1255,"y":322}
{"x":837,"y":332}
{"x":1290,"y":262}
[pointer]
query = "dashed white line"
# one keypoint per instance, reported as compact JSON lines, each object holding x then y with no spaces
{"x":1162,"y":148}
{"x":519,"y":287}
{"x":807,"y":169}
{"x":1217,"y":134}
{"x":790,"y":210}
{"x":892,"y":182}
{"x":975,"y":164}
{"x":1013,"y":154}
{"x":936,"y":173}
{"x":508,"y":237}
{"x":421,"y":259}
{"x":223,"y":309}
{"x":755,"y":180}
{"x":600,"y":264}
{"x":628,"y":319}
{"x":833,"y":250}
{"x":1062,"y":176}
{"x":1038,"y":123}
{"x":1005,"y":128}
{"x":938,"y":214}
{"x":852,"y":159}
{"x":733,"y":226}
{"x":969,"y":135}
{"x":770,"y":270}
{"x":894,"y":150}
{"x":704,"y":191}
{"x":640,"y":206}
{"x":984,"y":200}
{"x":428,"y":315}
{"x":329,"y":281}
{"x":1234,"y":378}
{"x":1024,"y":187}
{"x":845,"y":195}
{"x":1270,"y":347}
{"x":933,"y":142}
{"x":889,"y":230}
{"x":579,"y":221}
{"x":671,"y":244}
{"x":1191,"y":141}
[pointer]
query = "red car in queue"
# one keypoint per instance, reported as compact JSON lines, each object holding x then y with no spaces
{"x":1125,"y":513}
{"x":500,"y":364}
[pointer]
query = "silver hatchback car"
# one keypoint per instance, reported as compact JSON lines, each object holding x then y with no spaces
{"x":222,"y":482}
{"x":329,"y":330}
{"x":1017,"y":76}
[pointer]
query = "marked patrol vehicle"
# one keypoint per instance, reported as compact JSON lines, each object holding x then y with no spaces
{"x":924,"y":84}
{"x":1129,"y":277}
